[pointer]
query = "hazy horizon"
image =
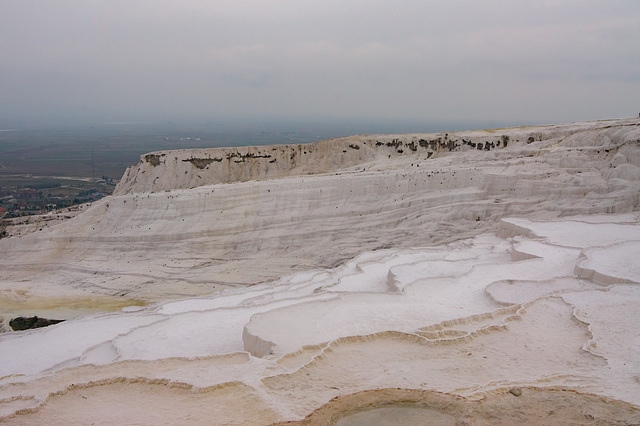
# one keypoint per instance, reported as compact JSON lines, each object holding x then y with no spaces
{"x":325,"y":128}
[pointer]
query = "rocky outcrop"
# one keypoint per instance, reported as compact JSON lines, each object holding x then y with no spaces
{"x":183,"y":169}
{"x":27,"y":323}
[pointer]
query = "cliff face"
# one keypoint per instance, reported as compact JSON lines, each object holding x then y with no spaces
{"x":299,"y":207}
{"x":182,"y":169}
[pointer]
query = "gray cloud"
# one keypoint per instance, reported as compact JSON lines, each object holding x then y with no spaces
{"x":408,"y":60}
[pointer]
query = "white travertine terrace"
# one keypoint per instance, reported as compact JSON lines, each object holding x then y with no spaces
{"x":369,"y":262}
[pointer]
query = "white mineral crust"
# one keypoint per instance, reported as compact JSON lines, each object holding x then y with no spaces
{"x":276,"y":278}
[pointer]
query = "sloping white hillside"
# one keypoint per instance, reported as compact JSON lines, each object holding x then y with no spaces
{"x":278,"y":278}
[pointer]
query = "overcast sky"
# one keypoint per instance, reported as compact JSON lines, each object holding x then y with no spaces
{"x":543,"y":61}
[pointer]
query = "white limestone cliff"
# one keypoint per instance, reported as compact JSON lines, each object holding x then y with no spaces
{"x":344,"y":266}
{"x":180,"y":169}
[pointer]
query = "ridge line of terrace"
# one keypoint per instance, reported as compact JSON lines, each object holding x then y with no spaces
{"x":189,"y":168}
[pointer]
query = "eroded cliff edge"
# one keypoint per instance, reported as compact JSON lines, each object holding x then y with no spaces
{"x":190,"y":168}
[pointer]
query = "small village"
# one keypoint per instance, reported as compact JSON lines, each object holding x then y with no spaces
{"x":27,"y":195}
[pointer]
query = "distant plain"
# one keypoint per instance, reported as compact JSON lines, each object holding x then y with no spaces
{"x":106,"y":150}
